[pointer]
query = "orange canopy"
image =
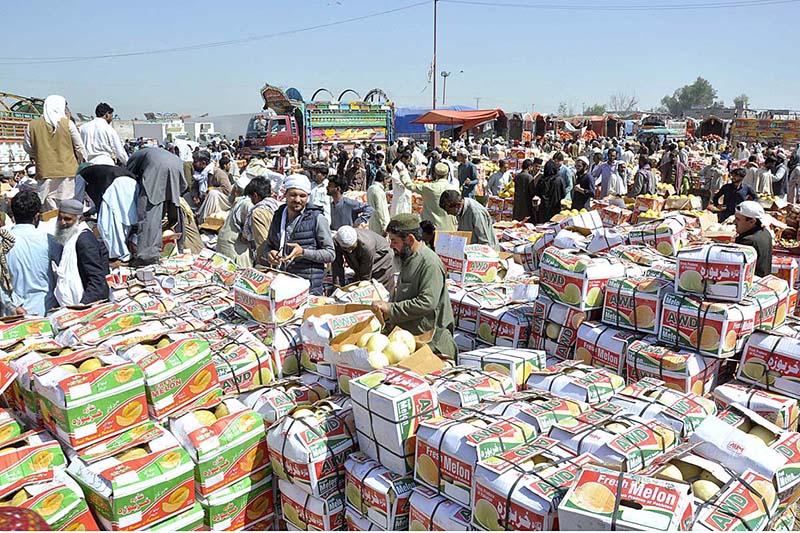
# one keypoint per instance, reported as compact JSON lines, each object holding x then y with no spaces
{"x":465,"y":119}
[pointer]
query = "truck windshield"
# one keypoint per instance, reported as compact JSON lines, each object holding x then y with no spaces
{"x":257,"y":126}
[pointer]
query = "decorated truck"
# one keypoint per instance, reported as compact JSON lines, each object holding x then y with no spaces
{"x":290,"y":122}
{"x":749,"y":130}
{"x":15,"y":114}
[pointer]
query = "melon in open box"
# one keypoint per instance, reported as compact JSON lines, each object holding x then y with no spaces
{"x":554,"y":327}
{"x":226,"y":442}
{"x":681,"y":370}
{"x":269,"y":296}
{"x":376,"y":493}
{"x":515,"y":362}
{"x":577,"y":381}
{"x":309,"y":445}
{"x":448,"y":449}
{"x":276,"y":400}
{"x":770,"y":297}
{"x":780,"y":410}
{"x":248,"y":503}
{"x":388,"y":406}
{"x":577,"y":279}
{"x":82,"y":408}
{"x":30,"y":455}
{"x":667,"y":236}
{"x":771,"y":362}
{"x":323,"y":324}
{"x":468,"y":301}
{"x":303,"y":512}
{"x":634,"y":303}
{"x":604,"y":346}
{"x":463,"y":386}
{"x":718,"y":271}
{"x":717,"y":329}
{"x":429,"y":511}
{"x":127,"y":492}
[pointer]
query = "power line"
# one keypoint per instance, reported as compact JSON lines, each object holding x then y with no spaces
{"x":201,"y":46}
{"x":641,"y":7}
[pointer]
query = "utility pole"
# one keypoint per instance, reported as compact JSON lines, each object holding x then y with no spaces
{"x":435,"y":5}
{"x":478,"y":102}
{"x":445,"y":74}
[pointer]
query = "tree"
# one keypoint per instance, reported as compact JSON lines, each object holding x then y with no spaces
{"x":595,"y":109}
{"x":741,"y":102}
{"x":698,"y":94}
{"x":623,"y":102}
{"x":563,"y":109}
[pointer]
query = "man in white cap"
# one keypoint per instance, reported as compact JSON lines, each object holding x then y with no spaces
{"x":299,"y":239}
{"x":367,"y":253}
{"x":751,"y":230}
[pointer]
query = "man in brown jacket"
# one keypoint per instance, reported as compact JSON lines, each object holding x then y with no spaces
{"x":55,"y":144}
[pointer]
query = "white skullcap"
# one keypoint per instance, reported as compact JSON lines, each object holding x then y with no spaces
{"x":346,"y":237}
{"x":32,"y":170}
{"x":297,"y":181}
{"x":243,"y":181}
{"x":18,"y":168}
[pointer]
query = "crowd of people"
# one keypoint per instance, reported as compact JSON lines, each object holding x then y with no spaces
{"x":89,"y":202}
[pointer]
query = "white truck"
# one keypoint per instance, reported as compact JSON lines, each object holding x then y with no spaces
{"x":163,"y":132}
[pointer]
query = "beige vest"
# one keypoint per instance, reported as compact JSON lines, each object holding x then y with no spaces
{"x":55,"y":155}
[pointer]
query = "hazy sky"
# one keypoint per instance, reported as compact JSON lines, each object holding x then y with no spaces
{"x":512,"y":57}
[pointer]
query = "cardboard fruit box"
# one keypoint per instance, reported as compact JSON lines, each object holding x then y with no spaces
{"x":634,"y":303}
{"x":304,"y":512}
{"x":448,"y":449}
{"x":771,"y":362}
{"x":101,"y":328}
{"x":278,"y":398}
{"x":189,"y":520}
{"x":680,"y":370}
{"x":539,"y":409}
{"x":135,"y":479}
{"x":770,"y":297}
{"x":226,"y":443}
{"x":718,"y":271}
{"x":13,"y":329}
{"x":514,"y":362}
{"x":641,"y":254}
{"x":460,"y":387}
{"x":604,"y":346}
{"x":717,"y":329}
{"x":464,"y":262}
{"x":667,"y":235}
{"x":31,"y":455}
{"x":247,"y":504}
{"x":429,"y":511}
{"x":780,"y":410}
{"x":10,"y":427}
{"x":86,"y":397}
{"x":506,"y":326}
{"x":362,"y":292}
{"x":576,"y":381}
{"x":388,"y":406}
{"x":66,"y":317}
{"x":601,"y":500}
{"x":468,"y":300}
{"x":269,"y":296}
{"x":376,"y":493}
{"x":308,"y":446}
{"x":554,"y":327}
{"x":242,"y":362}
{"x":785,"y":267}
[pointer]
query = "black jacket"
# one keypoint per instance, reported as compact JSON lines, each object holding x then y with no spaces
{"x":92,"y":267}
{"x":760,"y":239}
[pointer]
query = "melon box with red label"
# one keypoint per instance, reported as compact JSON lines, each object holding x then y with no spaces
{"x":286,"y":346}
{"x":717,"y":271}
{"x":601,"y":499}
{"x":780,"y":410}
{"x":376,"y":493}
{"x":540,"y":409}
{"x":388,"y":406}
{"x":278,"y":398}
{"x":467,"y":263}
{"x":519,"y":489}
{"x":468,"y":300}
{"x":323,"y":324}
{"x":624,"y":441}
{"x":460,"y":387}
{"x":101,"y":328}
{"x":24,"y":346}
{"x":106,"y":398}
{"x":666,"y":235}
{"x":223,"y":270}
{"x":613,"y":215}
{"x":515,"y":362}
{"x":785,"y":267}
{"x":577,"y":279}
{"x":248,"y":503}
{"x":651,"y":399}
{"x":243,"y":362}
{"x":56,"y":497}
{"x":554,"y":327}
{"x":771,"y":362}
{"x":717,"y":329}
{"x":30,"y":455}
{"x":649,"y":202}
{"x":742,"y":440}
{"x":770,"y":296}
{"x":634,"y":303}
{"x":309,"y":446}
{"x":135,"y":479}
{"x":680,"y":370}
{"x":448,"y":449}
{"x":428,"y":511}
{"x":67,"y":317}
{"x":304,"y":512}
{"x":604,"y":346}
{"x":13,"y":329}
{"x":226,"y":443}
{"x":509,"y":325}
{"x":269,"y":296}
{"x":576,"y":381}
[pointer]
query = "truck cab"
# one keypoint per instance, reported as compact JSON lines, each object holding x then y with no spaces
{"x":266,"y":133}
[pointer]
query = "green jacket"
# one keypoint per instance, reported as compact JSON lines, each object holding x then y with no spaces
{"x":430,"y":192}
{"x":476,"y":219}
{"x":421,"y":301}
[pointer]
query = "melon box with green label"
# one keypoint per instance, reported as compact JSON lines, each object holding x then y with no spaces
{"x":269,"y":296}
{"x":190,"y":520}
{"x":278,"y":398}
{"x":577,"y":279}
{"x":770,"y":296}
{"x":10,"y":427}
{"x":604,"y":346}
{"x":468,"y":301}
{"x":554,"y":327}
{"x":135,"y":479}
{"x":388,"y":406}
{"x":717,"y":329}
{"x":304,"y":512}
{"x":226,"y":443}
{"x":780,"y":410}
{"x":634,"y":303}
{"x":667,"y":235}
{"x":322,"y":324}
{"x":376,"y":493}
{"x":540,"y":409}
{"x":247,"y":504}
{"x":509,"y":325}
{"x":30,"y":455}
{"x":519,"y":489}
{"x":463,"y":386}
{"x":67,"y":317}
{"x":448,"y":449}
{"x":624,"y":441}
{"x":467,"y":263}
{"x":576,"y":381}
{"x":86,"y":397}
{"x":242,"y":362}
{"x":308,"y":446}
{"x":101,"y":328}
{"x":429,"y":511}
{"x":680,"y":370}
{"x":13,"y":329}
{"x":601,"y":499}
{"x":717,"y":271}
{"x":651,"y":399}
{"x":514,"y":362}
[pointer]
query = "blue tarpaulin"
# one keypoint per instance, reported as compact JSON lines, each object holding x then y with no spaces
{"x":404,"y":115}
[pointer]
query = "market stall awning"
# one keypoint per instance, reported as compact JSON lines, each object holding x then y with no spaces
{"x":465,"y":119}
